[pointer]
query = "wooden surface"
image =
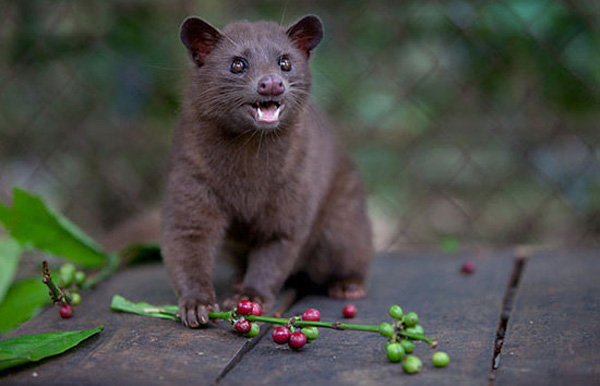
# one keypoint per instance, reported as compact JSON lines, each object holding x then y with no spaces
{"x":461,"y":311}
{"x":551,"y":338}
{"x":553,"y":335}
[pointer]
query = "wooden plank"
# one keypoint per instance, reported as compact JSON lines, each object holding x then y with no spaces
{"x":132,"y":349}
{"x":554,"y":329}
{"x":462,"y":311}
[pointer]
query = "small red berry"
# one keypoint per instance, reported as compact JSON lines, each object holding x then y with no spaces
{"x":297,"y":340}
{"x":256,"y":309}
{"x":65,"y":311}
{"x":281,"y":335}
{"x":243,"y":326}
{"x":244,"y":307}
{"x":468,"y":267}
{"x":349,"y":311}
{"x":311,"y":315}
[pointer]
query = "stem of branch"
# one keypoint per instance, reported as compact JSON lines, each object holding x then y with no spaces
{"x":296,"y":322}
{"x":56,"y":293}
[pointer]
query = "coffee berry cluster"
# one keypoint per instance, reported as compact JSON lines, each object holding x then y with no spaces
{"x":295,"y":337}
{"x":301,"y":329}
{"x":71,"y":281}
{"x":400,"y":341}
{"x":240,"y":323}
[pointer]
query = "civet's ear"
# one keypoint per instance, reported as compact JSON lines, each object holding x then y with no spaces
{"x":306,"y":33}
{"x":199,"y":37}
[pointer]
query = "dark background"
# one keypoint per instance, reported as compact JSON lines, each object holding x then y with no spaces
{"x":471,"y":121}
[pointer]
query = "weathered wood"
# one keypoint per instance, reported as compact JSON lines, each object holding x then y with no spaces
{"x":132,"y":349}
{"x":554,"y":328}
{"x":461,"y":311}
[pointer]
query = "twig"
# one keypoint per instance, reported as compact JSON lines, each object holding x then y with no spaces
{"x":297,"y":322}
{"x":57,"y":295}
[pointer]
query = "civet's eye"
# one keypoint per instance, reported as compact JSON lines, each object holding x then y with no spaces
{"x":285,"y":64}
{"x":238,"y":65}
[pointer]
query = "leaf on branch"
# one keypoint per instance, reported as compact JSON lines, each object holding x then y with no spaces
{"x":23,"y":301}
{"x":31,"y":348}
{"x":10,"y":254}
{"x":119,"y":303}
{"x":33,"y":224}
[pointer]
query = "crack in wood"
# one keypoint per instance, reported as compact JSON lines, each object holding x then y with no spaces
{"x":246,"y":348}
{"x":286,"y":300}
{"x":510,"y":293}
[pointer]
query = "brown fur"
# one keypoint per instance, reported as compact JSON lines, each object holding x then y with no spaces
{"x":288,"y":194}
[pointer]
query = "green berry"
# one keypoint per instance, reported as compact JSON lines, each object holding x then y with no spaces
{"x":75,"y":299}
{"x":412,"y":364}
{"x":386,"y":329}
{"x":311,"y":333}
{"x":411,"y":319}
{"x":67,"y":271}
{"x":66,"y":280}
{"x":254,"y":330}
{"x":408,"y":346}
{"x":79,"y":278}
{"x":440,"y":359}
{"x":395,"y":352}
{"x":396,"y":312}
{"x":418,"y":330}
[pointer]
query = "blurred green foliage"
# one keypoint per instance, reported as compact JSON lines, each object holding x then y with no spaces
{"x":472,"y":120}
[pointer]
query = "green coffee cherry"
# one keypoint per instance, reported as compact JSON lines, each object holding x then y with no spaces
{"x":411,"y":319}
{"x":395,"y":352}
{"x":75,"y":299}
{"x":418,"y":330}
{"x":412,"y":364}
{"x":66,"y":281}
{"x":440,"y":359}
{"x":79,"y":278}
{"x":396,"y":312}
{"x":386,"y":329}
{"x":67,"y":271}
{"x":311,"y":333}
{"x":254,"y":330}
{"x":408,"y":346}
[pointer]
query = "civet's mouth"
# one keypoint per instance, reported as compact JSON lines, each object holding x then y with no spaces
{"x":267,"y":112}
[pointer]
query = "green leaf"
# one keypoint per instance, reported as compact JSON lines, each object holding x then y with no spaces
{"x":10,"y":254}
{"x":23,"y":301}
{"x":32,"y":348}
{"x":119,"y":303}
{"x":32,"y":223}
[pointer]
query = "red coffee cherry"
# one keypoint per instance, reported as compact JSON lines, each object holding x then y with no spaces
{"x":297,"y":340}
{"x":281,"y":335}
{"x":244,"y":307}
{"x":256,"y":309}
{"x":65,"y":311}
{"x":311,"y":315}
{"x":468,"y":267}
{"x":349,"y":311}
{"x":243,"y":326}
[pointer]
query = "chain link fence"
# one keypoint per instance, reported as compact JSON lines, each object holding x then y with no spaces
{"x":471,"y":121}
